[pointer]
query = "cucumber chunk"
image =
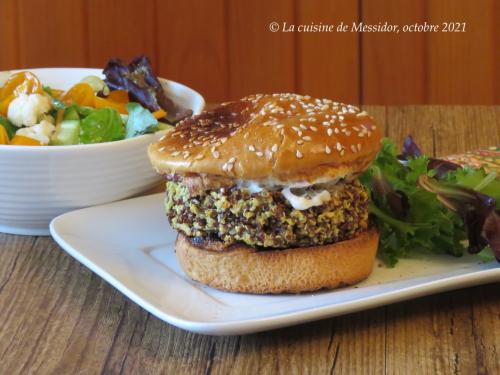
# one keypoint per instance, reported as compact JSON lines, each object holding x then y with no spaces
{"x":71,"y":113}
{"x":67,"y":133}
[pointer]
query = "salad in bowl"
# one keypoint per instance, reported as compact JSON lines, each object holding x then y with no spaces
{"x":127,"y":102}
{"x":77,"y":137}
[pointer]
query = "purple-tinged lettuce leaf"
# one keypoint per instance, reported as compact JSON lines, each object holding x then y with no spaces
{"x":442,"y":167}
{"x":491,"y":231}
{"x":411,"y":150}
{"x":477,"y":210}
{"x":142,"y":85}
{"x":427,"y":226}
{"x":383,"y":192}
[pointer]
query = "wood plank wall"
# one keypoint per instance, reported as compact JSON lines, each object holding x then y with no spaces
{"x":224,"y":49}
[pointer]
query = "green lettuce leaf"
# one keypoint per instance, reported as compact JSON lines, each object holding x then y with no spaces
{"x":140,"y":121}
{"x":102,"y":125}
{"x":428,"y":226}
{"x":477,"y":179}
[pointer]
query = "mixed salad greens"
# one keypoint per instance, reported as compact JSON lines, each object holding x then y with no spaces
{"x":422,"y":204}
{"x":129,"y":102}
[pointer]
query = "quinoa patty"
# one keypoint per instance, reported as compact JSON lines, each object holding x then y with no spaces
{"x":266,"y":219}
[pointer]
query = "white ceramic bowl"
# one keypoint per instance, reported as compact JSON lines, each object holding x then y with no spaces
{"x":40,"y":183}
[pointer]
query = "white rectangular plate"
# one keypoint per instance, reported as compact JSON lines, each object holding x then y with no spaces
{"x":131,"y":245}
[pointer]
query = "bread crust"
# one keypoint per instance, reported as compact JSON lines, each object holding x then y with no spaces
{"x":245,"y":270}
{"x":285,"y":137}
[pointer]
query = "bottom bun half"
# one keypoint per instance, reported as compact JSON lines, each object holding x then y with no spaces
{"x":242,"y":269}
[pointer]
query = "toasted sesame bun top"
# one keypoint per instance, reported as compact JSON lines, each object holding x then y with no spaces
{"x":284,"y":137}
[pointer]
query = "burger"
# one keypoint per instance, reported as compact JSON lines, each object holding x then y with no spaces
{"x":265,"y":197}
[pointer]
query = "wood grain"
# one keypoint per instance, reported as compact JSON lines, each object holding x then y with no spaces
{"x":9,"y":56}
{"x":120,"y":28}
{"x":59,"y":318}
{"x":191,"y":41}
{"x":470,"y":55}
{"x":393,"y":65}
{"x":327,"y":62}
{"x":52,"y":33}
{"x":440,"y":328}
{"x":260,"y":61}
{"x":225,"y":50}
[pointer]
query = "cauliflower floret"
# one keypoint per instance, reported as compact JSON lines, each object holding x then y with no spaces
{"x":41,"y":132}
{"x":27,"y":109}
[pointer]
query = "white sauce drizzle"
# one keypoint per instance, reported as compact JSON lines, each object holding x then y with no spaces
{"x":310,"y":199}
{"x":303,"y":203}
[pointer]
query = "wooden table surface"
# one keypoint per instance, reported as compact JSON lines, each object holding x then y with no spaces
{"x":57,"y":317}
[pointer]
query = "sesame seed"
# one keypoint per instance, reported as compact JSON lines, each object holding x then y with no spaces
{"x":198,"y":157}
{"x":339,"y":146}
{"x":329,"y":131}
{"x":336,"y":130}
{"x":229,"y":167}
{"x":307,"y":138}
{"x":259,"y":154}
{"x":327,"y":150}
{"x":359,"y":146}
{"x":251,"y":148}
{"x":176,"y":153}
{"x":274,"y":148}
{"x":354,"y":149}
{"x":215,"y":154}
{"x":161,"y":149}
{"x":295,"y":128}
{"x":280,"y":126}
{"x":356,"y":128}
{"x":299,"y":133}
{"x":300,"y":142}
{"x":302,"y":126}
{"x":342,"y":152}
{"x":232,"y":160}
{"x":298,"y":154}
{"x":326,"y":123}
{"x":313,"y":128}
